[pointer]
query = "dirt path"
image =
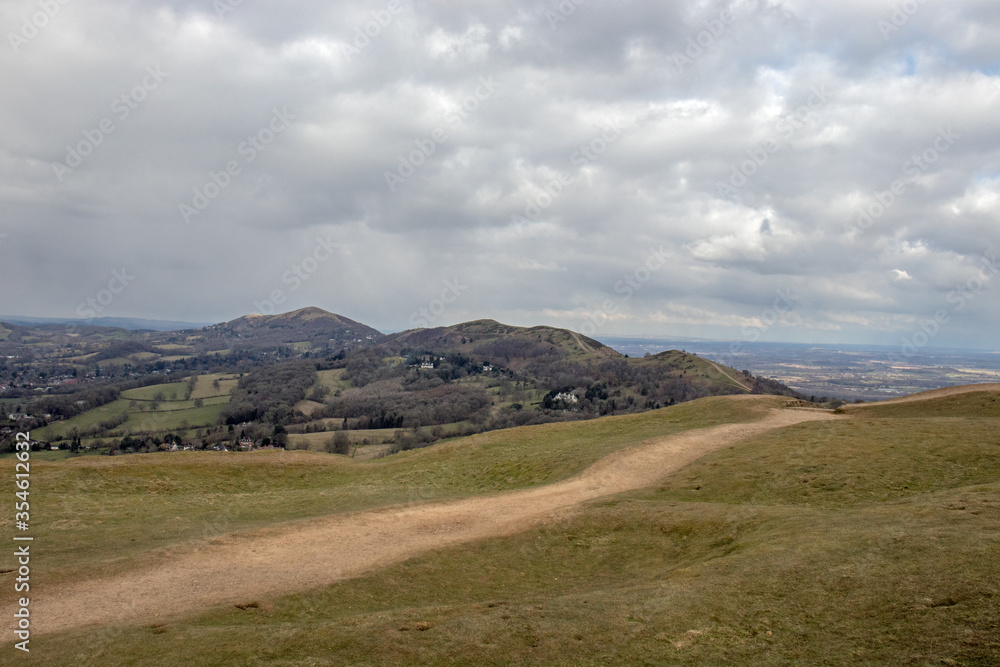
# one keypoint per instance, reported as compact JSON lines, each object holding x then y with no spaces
{"x":585,"y":348}
{"x":247,"y":567}
{"x":727,"y":376}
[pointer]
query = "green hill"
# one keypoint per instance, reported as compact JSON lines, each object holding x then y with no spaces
{"x":868,"y":539}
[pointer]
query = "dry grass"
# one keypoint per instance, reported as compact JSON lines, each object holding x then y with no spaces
{"x":867,"y":541}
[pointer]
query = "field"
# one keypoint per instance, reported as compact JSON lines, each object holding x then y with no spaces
{"x":147,"y":412}
{"x":868,"y":537}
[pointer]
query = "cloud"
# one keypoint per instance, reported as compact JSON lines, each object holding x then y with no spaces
{"x":767,"y":145}
{"x":900,"y":275}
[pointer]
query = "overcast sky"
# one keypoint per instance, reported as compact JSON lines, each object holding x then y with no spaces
{"x":709,"y":169}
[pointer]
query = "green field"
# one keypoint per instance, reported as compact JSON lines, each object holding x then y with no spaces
{"x":170,"y":415}
{"x":317,"y":441}
{"x":171,"y":391}
{"x":205,"y":389}
{"x":867,"y":540}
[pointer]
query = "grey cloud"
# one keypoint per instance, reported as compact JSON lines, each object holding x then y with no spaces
{"x":467,"y":209}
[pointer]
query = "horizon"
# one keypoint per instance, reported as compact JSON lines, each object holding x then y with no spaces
{"x":600,"y":337}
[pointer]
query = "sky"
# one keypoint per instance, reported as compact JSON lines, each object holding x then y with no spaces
{"x":821,"y":171}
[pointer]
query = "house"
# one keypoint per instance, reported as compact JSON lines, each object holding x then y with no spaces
{"x":427,"y":365}
{"x":487,"y":368}
{"x":567,"y":397}
{"x":246,"y":442}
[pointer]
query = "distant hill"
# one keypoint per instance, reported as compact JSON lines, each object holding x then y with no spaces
{"x":307,"y":327}
{"x":64,"y":350}
{"x":130,"y":323}
{"x":493,"y":341}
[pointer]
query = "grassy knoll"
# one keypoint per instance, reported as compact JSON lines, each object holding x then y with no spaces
{"x":872,"y":540}
{"x":106,"y":512}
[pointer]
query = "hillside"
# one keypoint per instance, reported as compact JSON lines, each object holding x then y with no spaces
{"x":311,"y":373}
{"x":482,"y":376}
{"x":737,"y":532}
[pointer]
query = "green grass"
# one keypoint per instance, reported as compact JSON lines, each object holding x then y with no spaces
{"x":333,"y":379}
{"x":96,"y":506}
{"x":168,"y":419}
{"x":317,"y":441}
{"x":205,"y":389}
{"x":982,"y":403}
{"x":845,"y":463}
{"x":745,"y":576}
{"x":170,"y":416}
{"x":176,"y":389}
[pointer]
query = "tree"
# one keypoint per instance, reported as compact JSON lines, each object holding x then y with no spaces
{"x":280,"y":436}
{"x":339,"y":443}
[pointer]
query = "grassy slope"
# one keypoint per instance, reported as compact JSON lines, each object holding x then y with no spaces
{"x":867,"y":541}
{"x":125,"y":506}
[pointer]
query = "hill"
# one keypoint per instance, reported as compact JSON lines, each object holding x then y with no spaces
{"x":492,"y":340}
{"x":312,"y":372}
{"x":48,"y":353}
{"x":304,"y":329}
{"x":865,"y":538}
{"x":481,"y":376}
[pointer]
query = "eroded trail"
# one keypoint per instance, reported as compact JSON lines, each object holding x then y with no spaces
{"x":245,"y":567}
